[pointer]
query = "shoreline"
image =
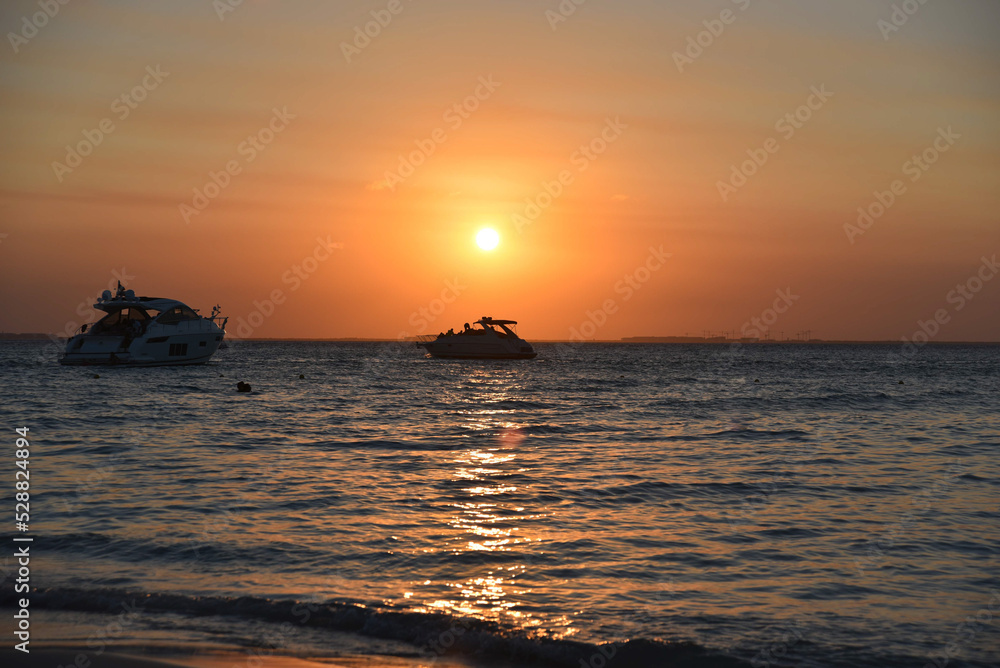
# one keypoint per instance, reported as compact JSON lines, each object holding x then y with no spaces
{"x":71,"y":656}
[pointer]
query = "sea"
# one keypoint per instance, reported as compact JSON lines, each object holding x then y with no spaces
{"x":603,"y":505}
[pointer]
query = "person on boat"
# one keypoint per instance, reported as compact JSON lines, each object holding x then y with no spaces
{"x":451,"y":332}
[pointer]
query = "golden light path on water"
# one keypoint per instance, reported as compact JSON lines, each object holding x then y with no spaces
{"x":493,"y":596}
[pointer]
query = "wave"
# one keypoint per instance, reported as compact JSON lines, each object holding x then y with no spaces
{"x":517,"y":404}
{"x":855,"y":400}
{"x":433,"y":634}
{"x":198,"y":546}
{"x":745,"y":434}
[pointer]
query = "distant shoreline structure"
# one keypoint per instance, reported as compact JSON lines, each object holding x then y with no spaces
{"x":715,"y":340}
{"x":719,"y":340}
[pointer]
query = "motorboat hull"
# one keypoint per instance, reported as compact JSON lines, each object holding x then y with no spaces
{"x":483,"y":356}
{"x":486,"y":347}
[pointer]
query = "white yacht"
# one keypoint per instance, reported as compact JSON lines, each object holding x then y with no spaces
{"x":145,"y":331}
{"x":486,"y":339}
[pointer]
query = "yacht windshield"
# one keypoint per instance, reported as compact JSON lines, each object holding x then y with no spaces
{"x":177,"y":314}
{"x":121,"y":322}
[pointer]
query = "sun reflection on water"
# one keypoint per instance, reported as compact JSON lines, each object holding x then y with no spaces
{"x":491,"y":518}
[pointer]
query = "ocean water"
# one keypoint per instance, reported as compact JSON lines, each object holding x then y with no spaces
{"x":602,"y":505}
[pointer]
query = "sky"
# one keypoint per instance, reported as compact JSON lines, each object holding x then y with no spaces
{"x":653,"y":168}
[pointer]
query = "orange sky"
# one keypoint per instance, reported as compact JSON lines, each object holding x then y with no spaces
{"x":674,"y":126}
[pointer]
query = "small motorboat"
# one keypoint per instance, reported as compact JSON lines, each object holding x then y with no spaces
{"x":145,"y":331}
{"x":485,"y":339}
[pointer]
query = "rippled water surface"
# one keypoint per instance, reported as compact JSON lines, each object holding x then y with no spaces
{"x":782,"y":504}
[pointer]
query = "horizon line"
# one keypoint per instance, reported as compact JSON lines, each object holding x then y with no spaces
{"x":673,"y":340}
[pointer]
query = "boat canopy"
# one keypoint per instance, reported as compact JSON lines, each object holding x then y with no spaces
{"x":148,"y":303}
{"x":125,"y":298}
{"x":485,"y":320}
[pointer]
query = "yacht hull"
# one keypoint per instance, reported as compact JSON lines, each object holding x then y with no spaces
{"x":175,"y":349}
{"x":124,"y":359}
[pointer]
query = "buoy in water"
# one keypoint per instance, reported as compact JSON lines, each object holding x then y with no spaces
{"x":902,"y":383}
{"x":97,"y":375}
{"x":302,"y":375}
{"x":243,"y":387}
{"x":757,"y":380}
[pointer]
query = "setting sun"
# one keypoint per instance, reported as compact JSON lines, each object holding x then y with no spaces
{"x":487,"y":238}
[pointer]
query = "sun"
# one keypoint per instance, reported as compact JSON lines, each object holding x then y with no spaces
{"x":487,"y":238}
